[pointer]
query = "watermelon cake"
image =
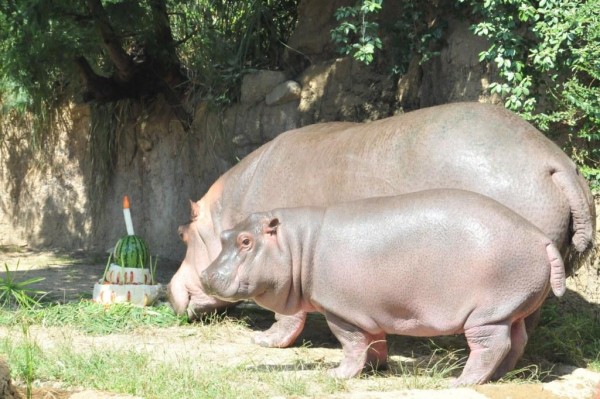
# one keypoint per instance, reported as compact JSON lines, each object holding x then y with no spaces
{"x":131,"y":251}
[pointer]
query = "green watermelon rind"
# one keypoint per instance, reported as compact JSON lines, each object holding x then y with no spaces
{"x":131,"y":251}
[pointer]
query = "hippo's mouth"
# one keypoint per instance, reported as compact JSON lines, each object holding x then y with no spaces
{"x":236,"y":291}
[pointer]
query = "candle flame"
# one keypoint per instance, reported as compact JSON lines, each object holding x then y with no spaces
{"x":125,"y":202}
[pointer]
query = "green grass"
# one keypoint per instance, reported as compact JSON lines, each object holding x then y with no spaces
{"x":138,"y":373}
{"x":569,"y":335}
{"x":432,"y":370}
{"x":131,"y":370}
{"x":92,"y":318}
{"x":15,"y":293}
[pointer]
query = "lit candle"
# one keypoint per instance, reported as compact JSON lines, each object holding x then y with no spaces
{"x":127,"y":214}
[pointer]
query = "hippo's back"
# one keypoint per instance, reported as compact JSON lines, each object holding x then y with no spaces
{"x":470,"y":146}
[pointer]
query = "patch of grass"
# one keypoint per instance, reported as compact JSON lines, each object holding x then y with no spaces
{"x":15,"y":293}
{"x":526,"y":375}
{"x":92,"y":318}
{"x":135,"y":372}
{"x":29,"y":367}
{"x":433,"y":370}
{"x":568,"y":335}
{"x":23,"y":357}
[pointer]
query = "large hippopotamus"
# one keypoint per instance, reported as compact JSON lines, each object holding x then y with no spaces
{"x":434,"y":262}
{"x":476,"y":147}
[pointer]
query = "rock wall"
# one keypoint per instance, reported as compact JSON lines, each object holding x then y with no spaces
{"x":43,"y":192}
{"x":55,"y":200}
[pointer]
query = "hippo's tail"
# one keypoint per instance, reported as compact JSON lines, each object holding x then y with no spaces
{"x":557,"y":270}
{"x":583,"y":213}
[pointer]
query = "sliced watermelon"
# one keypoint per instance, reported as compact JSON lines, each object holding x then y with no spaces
{"x":131,"y":251}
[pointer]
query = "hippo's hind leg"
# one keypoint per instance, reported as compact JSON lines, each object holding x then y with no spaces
{"x":489,"y":345}
{"x":283,"y":332}
{"x":518,"y":340}
{"x":359,"y":348}
{"x":377,"y":354}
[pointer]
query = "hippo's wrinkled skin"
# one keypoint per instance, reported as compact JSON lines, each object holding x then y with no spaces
{"x":435,"y":262}
{"x":476,"y":147}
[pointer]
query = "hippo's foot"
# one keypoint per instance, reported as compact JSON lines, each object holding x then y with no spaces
{"x":518,"y":340}
{"x":345,"y":371}
{"x":359,"y":348}
{"x":489,"y":346}
{"x":282,"y":333}
{"x":355,"y":359}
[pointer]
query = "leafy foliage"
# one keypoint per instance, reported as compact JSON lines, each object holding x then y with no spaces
{"x":15,"y":293}
{"x":547,"y":54}
{"x":356,"y":34}
{"x":221,"y":39}
{"x":208,"y":42}
{"x":417,"y":34}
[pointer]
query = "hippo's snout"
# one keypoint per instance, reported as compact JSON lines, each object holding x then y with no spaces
{"x":215,"y":281}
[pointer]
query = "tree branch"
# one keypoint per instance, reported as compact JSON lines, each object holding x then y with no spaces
{"x":165,"y":43}
{"x":122,"y":61}
{"x":188,"y":36}
{"x":98,"y":88}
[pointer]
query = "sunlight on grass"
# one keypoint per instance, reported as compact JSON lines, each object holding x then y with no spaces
{"x":18,"y":293}
{"x":526,"y":375}
{"x":92,"y":318}
{"x":134,"y":372}
{"x":433,"y":370}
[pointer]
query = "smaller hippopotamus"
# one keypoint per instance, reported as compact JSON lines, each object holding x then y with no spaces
{"x":434,"y":262}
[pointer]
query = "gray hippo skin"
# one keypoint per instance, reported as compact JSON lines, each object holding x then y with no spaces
{"x":436,"y":262}
{"x":475,"y":147}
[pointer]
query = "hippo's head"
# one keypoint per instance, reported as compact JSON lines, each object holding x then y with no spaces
{"x":184,"y":291}
{"x":240,"y":270}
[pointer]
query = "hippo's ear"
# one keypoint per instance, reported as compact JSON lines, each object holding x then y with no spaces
{"x":271,"y":227}
{"x":194,"y":211}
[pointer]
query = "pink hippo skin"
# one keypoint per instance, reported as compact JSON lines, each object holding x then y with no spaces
{"x":475,"y":147}
{"x":435,"y":262}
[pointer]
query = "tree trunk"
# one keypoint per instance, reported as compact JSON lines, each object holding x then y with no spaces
{"x":159,"y":71}
{"x":120,"y":59}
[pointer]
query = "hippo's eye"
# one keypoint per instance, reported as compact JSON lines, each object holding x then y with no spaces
{"x":244,"y":242}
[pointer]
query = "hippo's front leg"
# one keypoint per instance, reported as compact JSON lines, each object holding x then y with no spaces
{"x":358,"y":346}
{"x":283,"y":332}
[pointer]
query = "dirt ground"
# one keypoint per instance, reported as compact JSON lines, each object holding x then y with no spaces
{"x":68,"y":276}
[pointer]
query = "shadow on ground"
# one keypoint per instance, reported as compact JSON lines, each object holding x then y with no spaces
{"x":66,"y":276}
{"x":568,"y":333}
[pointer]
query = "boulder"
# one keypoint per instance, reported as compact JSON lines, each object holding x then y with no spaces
{"x":283,"y":93}
{"x":256,"y":85}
